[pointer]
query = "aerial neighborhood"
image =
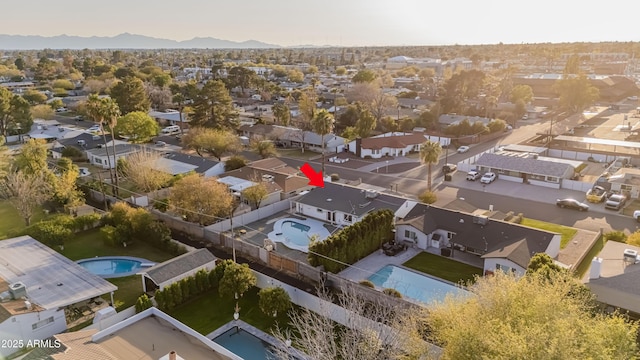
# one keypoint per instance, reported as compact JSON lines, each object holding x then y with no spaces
{"x":227,"y":203}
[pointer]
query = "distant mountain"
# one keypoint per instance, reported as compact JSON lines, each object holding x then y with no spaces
{"x":122,"y":41}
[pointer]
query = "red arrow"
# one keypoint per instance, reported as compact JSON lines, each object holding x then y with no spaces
{"x":315,"y":178}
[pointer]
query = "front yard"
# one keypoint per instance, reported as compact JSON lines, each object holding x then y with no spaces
{"x":443,"y":268}
{"x":567,"y":233}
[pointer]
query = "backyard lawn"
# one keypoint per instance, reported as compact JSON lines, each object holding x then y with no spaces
{"x":90,"y":244}
{"x":567,"y":233}
{"x":209,"y":311}
{"x":11,"y":222}
{"x":443,"y":268}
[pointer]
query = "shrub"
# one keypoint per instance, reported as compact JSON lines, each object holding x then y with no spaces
{"x":52,"y":233}
{"x":72,"y":153}
{"x":367,"y":283}
{"x":235,"y":162}
{"x":161,"y":204}
{"x":615,"y":235}
{"x":274,"y":300}
{"x":110,"y":236}
{"x":86,"y":222}
{"x":335,"y":177}
{"x":392,"y":292}
{"x":143,"y":303}
{"x":428,"y":197}
{"x":367,"y":156}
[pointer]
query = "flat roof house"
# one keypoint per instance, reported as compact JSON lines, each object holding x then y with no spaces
{"x":148,"y":335}
{"x":37,"y":284}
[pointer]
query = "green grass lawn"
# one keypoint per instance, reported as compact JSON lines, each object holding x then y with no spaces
{"x":443,"y":268}
{"x":90,"y":244}
{"x":582,"y":268}
{"x":297,"y":154}
{"x":129,"y":289}
{"x":567,"y":233}
{"x":209,"y":311}
{"x":11,"y":223}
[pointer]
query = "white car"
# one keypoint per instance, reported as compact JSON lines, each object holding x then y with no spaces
{"x":473,"y":175}
{"x":488,"y":178}
{"x":94,"y":128}
{"x":84,"y":171}
{"x":463,"y":149}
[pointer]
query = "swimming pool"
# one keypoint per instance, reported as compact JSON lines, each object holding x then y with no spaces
{"x":243,"y":344}
{"x":295,"y":233}
{"x":114,"y":266}
{"x":413,"y":285}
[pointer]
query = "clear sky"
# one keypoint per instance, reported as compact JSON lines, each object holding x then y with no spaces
{"x":333,"y":22}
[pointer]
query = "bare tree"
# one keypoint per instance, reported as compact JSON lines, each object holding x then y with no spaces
{"x":373,"y":98}
{"x":146,"y":170}
{"x":25,"y":192}
{"x":372,"y":328}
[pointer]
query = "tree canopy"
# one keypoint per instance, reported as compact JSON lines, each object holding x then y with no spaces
{"x":212,"y":107}
{"x":213,"y":141}
{"x":130,"y":95}
{"x":201,"y":200}
{"x":576,"y":92}
{"x":138,"y":126}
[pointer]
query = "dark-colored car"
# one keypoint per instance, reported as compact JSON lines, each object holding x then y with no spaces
{"x":449,"y":168}
{"x":572,"y":204}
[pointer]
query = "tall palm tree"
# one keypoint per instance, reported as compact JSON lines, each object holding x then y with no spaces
{"x":430,"y":154}
{"x":105,"y":111}
{"x":322,"y":124}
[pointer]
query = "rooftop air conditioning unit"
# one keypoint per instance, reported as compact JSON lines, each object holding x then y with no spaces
{"x":17,"y":290}
{"x":480,"y":220}
{"x":82,"y":142}
{"x":370,"y":194}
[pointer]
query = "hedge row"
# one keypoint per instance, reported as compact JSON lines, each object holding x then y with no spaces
{"x":182,"y":291}
{"x":353,"y":242}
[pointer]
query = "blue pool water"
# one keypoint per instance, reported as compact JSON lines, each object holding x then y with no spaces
{"x":111,"y":267}
{"x":244,"y":344}
{"x":413,"y":285}
{"x":296,"y":233}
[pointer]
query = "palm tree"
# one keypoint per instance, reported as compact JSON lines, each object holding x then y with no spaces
{"x":105,"y":111}
{"x":430,"y":154}
{"x":322,"y":124}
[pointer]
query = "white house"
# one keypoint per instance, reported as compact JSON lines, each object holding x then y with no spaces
{"x":36,"y":285}
{"x":177,"y":163}
{"x":237,"y":185}
{"x":161,"y":275}
{"x":504,"y":246}
{"x":150,"y":334}
{"x":98,"y":156}
{"x":392,"y":144}
{"x":170,"y":117}
{"x":340,"y":204}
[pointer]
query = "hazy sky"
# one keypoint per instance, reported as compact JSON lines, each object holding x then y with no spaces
{"x":334,"y":22}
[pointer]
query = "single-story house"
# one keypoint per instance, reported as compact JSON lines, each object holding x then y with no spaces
{"x":293,"y":137}
{"x":150,"y":334}
{"x":392,"y":144}
{"x":82,"y":141}
{"x":161,"y":275}
{"x":37,"y":285}
{"x":177,"y":163}
{"x":98,"y":156}
{"x":614,"y":276}
{"x":527,"y":168}
{"x":237,"y":185}
{"x":343,"y":205}
{"x":275,"y":171}
{"x":170,"y":117}
{"x":626,"y":181}
{"x":503,"y":246}
{"x":454,"y":119}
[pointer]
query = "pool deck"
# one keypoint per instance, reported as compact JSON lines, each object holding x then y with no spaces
{"x":376,"y":261}
{"x":315,"y":228}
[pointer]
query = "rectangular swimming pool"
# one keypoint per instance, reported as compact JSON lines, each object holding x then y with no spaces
{"x":244,"y":344}
{"x":413,"y":285}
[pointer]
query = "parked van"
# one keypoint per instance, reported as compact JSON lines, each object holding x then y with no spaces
{"x":169,"y":130}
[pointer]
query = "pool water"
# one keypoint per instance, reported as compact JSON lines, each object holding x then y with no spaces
{"x":244,"y":344}
{"x":413,"y":285}
{"x":296,"y":233}
{"x":110,"y":267}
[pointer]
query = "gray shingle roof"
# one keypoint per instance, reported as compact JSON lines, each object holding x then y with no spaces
{"x":349,"y":199}
{"x":179,"y":265}
{"x":203,"y":164}
{"x":523,"y":164}
{"x":121,"y":149}
{"x":496,"y":237}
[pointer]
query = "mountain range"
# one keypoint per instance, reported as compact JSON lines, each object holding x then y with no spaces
{"x":122,"y":41}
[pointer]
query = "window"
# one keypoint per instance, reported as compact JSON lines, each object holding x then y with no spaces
{"x":449,"y":235}
{"x":552,"y":179}
{"x":410,"y":235}
{"x":98,"y":161}
{"x":625,"y":187}
{"x":348,"y":217}
{"x":375,"y":152}
{"x":319,"y":210}
{"x":42,"y":323}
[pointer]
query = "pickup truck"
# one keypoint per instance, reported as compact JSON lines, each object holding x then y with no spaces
{"x":597,"y":194}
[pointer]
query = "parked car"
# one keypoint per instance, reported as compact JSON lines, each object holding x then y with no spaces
{"x":572,"y":204}
{"x":94,"y":128}
{"x":596,"y":194}
{"x":615,"y":202}
{"x":161,"y":144}
{"x":636,"y":215}
{"x":84,"y":171}
{"x":61,"y":109}
{"x":473,"y":175}
{"x":78,"y":117}
{"x":449,"y":168}
{"x":488,"y":178}
{"x":463,"y":149}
